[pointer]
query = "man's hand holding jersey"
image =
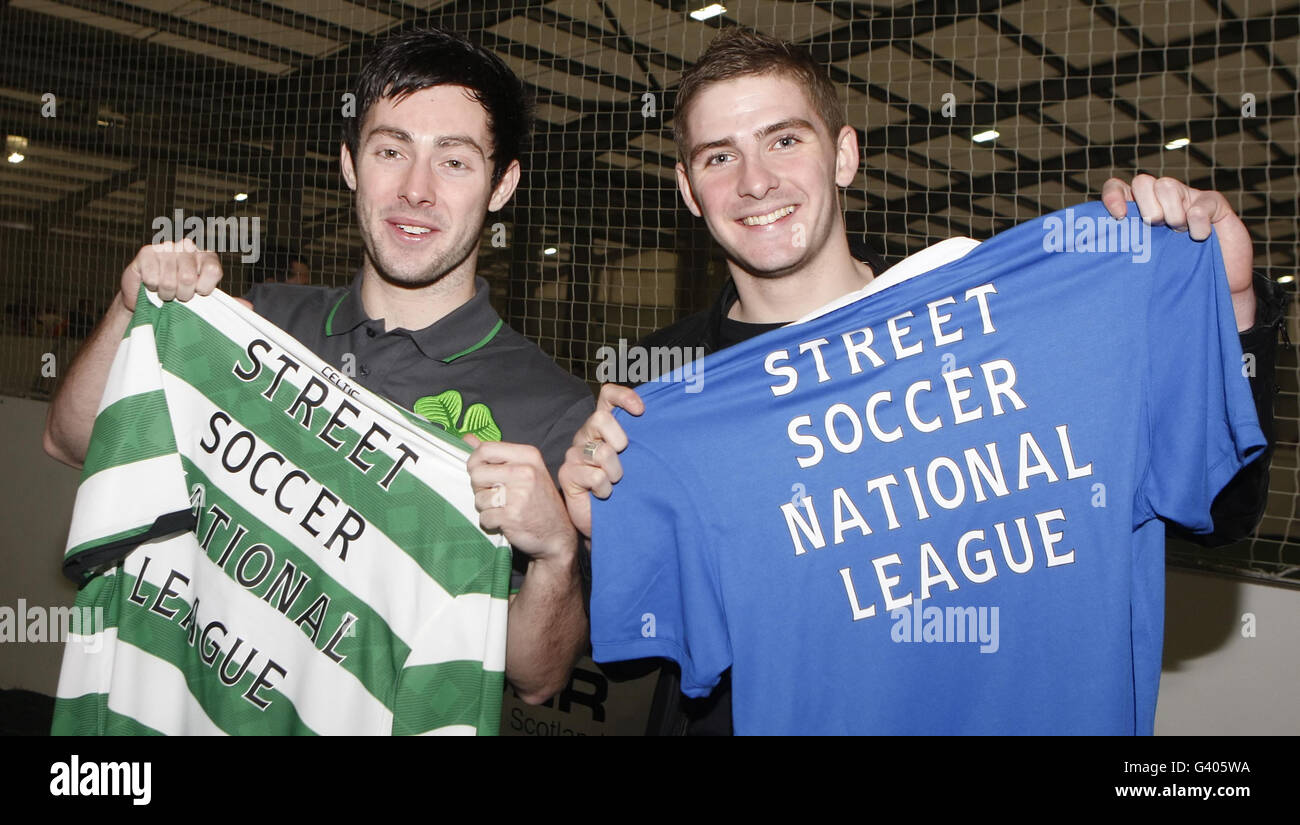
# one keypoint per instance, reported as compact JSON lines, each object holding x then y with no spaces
{"x":513,"y":493}
{"x":591,"y":465}
{"x":176,"y":271}
{"x":1172,"y":203}
{"x":547,"y":627}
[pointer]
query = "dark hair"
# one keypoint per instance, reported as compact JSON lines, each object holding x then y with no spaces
{"x":738,"y":52}
{"x":422,"y":58}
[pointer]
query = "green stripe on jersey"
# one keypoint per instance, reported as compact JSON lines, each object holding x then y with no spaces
{"x":130,"y":429}
{"x":449,"y":693}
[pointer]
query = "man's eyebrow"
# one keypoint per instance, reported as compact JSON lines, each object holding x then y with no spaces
{"x":462,"y":140}
{"x":783,"y":125}
{"x":404,"y":136}
{"x":392,"y":132}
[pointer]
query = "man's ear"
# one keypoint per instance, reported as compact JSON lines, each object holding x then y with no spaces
{"x":345,"y":163}
{"x":684,"y":186}
{"x":847,"y":156}
{"x":505,"y":188}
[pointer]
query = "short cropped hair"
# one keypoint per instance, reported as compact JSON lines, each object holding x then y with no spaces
{"x":738,"y":52}
{"x":422,"y":58}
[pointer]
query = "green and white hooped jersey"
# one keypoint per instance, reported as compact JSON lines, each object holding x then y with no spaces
{"x":273,"y":549}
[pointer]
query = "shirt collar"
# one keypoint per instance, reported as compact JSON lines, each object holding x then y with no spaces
{"x":462,"y":331}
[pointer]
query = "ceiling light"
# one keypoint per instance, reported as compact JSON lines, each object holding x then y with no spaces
{"x":1286,"y":279}
{"x":711,"y":10}
{"x":16,"y":148}
{"x":550,"y":250}
{"x":241,"y":197}
{"x":986,"y":136}
{"x":1177,"y":143}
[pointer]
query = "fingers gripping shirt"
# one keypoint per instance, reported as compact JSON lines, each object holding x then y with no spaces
{"x":937,"y":509}
{"x":269,"y":548}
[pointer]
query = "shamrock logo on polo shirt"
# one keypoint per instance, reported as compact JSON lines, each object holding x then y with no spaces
{"x":444,"y":409}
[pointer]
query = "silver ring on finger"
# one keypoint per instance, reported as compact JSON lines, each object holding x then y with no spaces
{"x":589,"y":450}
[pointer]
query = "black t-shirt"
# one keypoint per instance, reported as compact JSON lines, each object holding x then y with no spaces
{"x":732,"y":332}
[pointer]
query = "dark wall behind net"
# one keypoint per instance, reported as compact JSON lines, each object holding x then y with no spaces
{"x":127,"y":111}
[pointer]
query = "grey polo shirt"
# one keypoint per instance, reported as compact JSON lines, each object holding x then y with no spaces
{"x":467,"y":358}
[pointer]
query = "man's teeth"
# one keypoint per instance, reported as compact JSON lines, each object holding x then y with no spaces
{"x":760,"y":220}
{"x":413,"y":230}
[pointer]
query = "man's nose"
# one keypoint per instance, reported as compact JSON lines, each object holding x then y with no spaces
{"x":418,"y":187}
{"x":756,"y":178}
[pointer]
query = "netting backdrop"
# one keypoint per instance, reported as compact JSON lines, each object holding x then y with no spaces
{"x":125,"y":112}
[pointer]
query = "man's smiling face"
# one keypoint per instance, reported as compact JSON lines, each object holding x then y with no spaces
{"x":423,"y":183}
{"x":761,"y":169}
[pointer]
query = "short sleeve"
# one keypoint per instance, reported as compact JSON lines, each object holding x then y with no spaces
{"x":655,"y":585}
{"x":1202,"y":423}
{"x":133,"y":484}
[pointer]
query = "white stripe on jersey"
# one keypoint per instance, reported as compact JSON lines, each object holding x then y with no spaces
{"x":85,"y":671}
{"x":454,"y":640}
{"x":154,"y":693}
{"x":99,"y":512}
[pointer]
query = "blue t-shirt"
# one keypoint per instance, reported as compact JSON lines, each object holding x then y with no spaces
{"x":936,"y":509}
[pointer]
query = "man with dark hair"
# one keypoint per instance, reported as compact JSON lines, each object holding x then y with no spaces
{"x":433,"y":149}
{"x":422,"y":59}
{"x":762,"y":146}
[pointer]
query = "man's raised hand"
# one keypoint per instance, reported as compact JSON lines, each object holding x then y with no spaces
{"x":1170,"y":202}
{"x":174,"y":270}
{"x":591,"y":465}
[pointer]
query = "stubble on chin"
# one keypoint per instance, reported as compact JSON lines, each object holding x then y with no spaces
{"x":435,"y":272}
{"x":429,"y":276}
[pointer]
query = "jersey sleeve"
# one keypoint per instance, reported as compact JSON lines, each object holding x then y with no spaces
{"x":655,"y":585}
{"x":1202,"y":423}
{"x":133,"y":484}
